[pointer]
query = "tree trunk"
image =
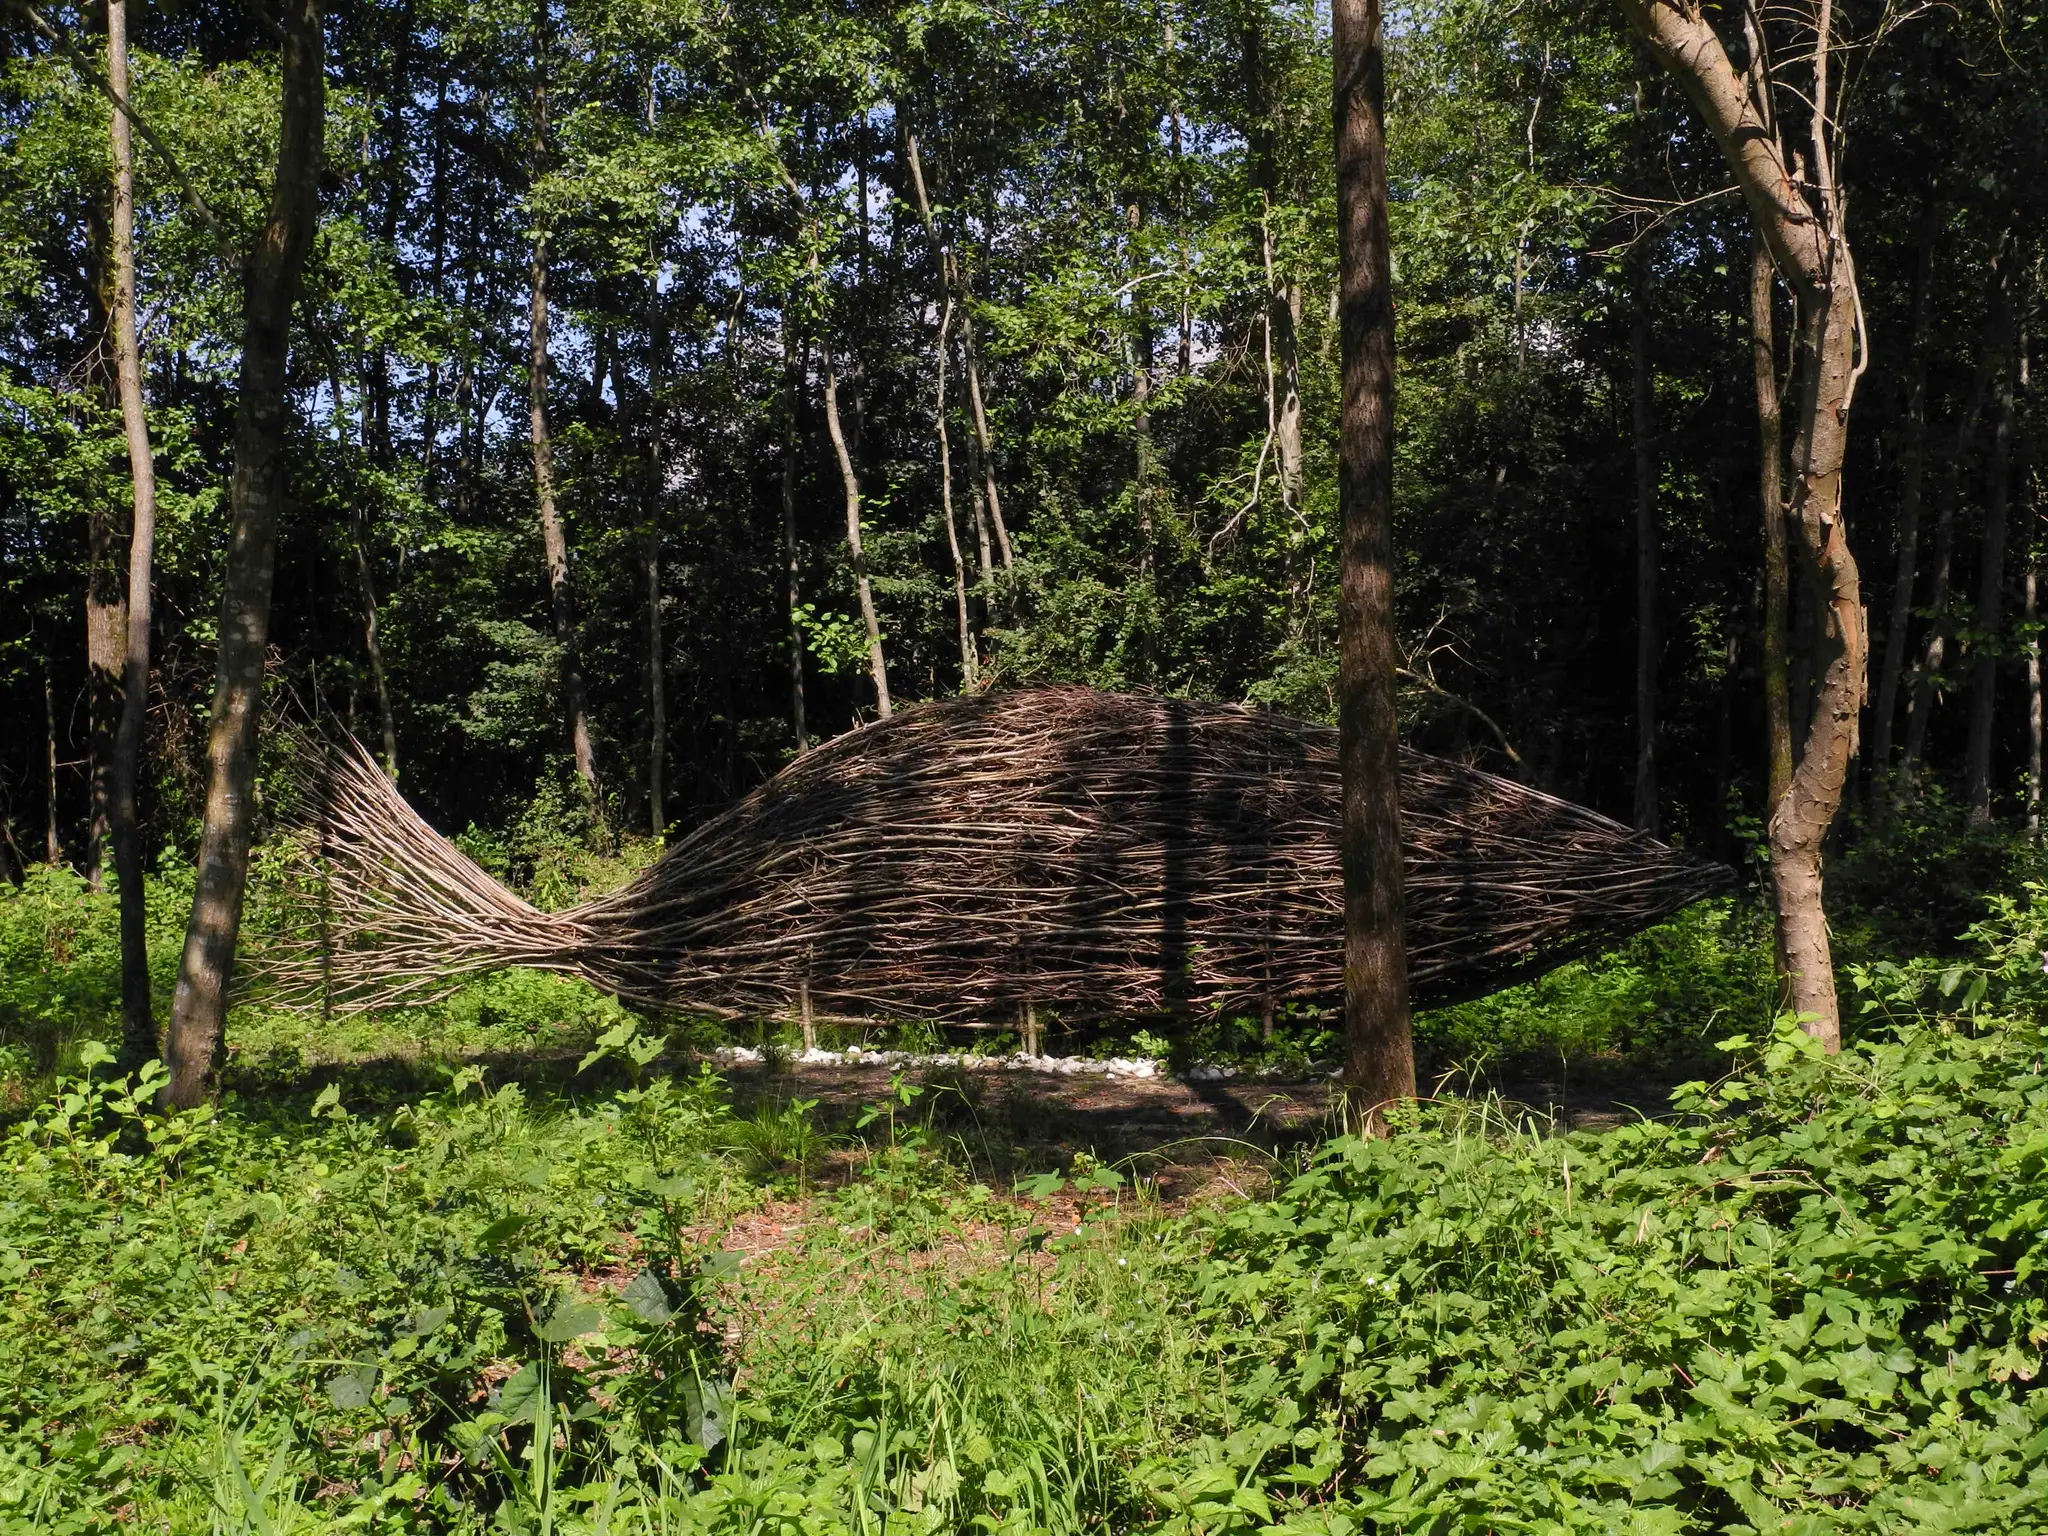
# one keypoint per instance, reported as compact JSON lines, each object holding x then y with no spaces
{"x":970,"y":680}
{"x":1798,"y":212}
{"x":554,"y":542}
{"x":2031,"y":513}
{"x":138,"y":1023}
{"x":53,"y":846}
{"x":256,"y":496}
{"x":943,"y":257}
{"x":1990,"y":615}
{"x":1777,"y":618}
{"x":106,"y":634}
{"x":877,"y":667}
{"x":791,"y":552}
{"x":1379,"y":1063}
{"x":657,"y":669}
{"x":1920,"y":707}
{"x":1912,"y":476}
{"x":372,"y":646}
{"x":1642,"y":393}
{"x":984,"y":441}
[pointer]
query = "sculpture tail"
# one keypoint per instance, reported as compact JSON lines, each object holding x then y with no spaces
{"x":382,"y":910}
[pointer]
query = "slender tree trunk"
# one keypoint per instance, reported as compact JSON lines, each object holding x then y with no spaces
{"x":1777,"y":617}
{"x":1283,"y":312}
{"x":1912,"y":476}
{"x":1990,"y":616}
{"x":138,"y":1023}
{"x":943,"y":257}
{"x":657,"y":489}
{"x":985,"y":451}
{"x":2033,"y":614}
{"x":969,"y":665}
{"x":1643,"y":412}
{"x":877,"y":667}
{"x":106,"y":634}
{"x":792,"y":553}
{"x":1379,"y":1064}
{"x":1799,"y":214}
{"x":372,"y":645}
{"x":256,"y":496}
{"x":437,"y":220}
{"x":554,"y":541}
{"x":53,"y":846}
{"x":1920,"y":706}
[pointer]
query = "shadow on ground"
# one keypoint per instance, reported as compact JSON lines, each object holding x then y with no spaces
{"x":1006,"y":1124}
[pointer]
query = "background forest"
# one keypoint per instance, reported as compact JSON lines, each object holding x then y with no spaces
{"x":674,"y":386}
{"x":1086,"y":406}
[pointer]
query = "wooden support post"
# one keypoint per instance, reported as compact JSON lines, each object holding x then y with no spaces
{"x":803,"y":1003}
{"x":1266,"y":1023}
{"x":1030,"y":1028}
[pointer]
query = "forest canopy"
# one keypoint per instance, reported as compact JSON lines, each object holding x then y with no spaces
{"x":1116,"y":233}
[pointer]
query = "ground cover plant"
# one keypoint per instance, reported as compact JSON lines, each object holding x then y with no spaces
{"x":1808,"y":1298}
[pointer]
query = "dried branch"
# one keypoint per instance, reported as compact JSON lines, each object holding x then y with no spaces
{"x":1095,"y":854}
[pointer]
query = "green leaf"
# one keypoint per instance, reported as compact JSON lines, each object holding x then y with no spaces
{"x":648,"y":1298}
{"x":352,"y":1388}
{"x":503,"y":1230}
{"x":569,"y":1320}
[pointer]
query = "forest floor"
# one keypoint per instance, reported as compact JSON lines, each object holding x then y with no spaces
{"x":1194,"y":1137}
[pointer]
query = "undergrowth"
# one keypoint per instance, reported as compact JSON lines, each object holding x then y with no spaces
{"x":1812,"y":1297}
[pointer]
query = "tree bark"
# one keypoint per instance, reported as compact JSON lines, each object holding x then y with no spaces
{"x":256,"y":496}
{"x":555,"y":543}
{"x":53,"y":846}
{"x":1777,"y":618}
{"x":878,"y":668}
{"x":1990,"y":615}
{"x":138,"y":1023}
{"x":657,"y":489}
{"x":1798,"y":212}
{"x":2032,"y":523}
{"x":1379,"y":1065}
{"x":106,"y":633}
{"x":1920,"y":707}
{"x":1642,"y":398}
{"x":943,"y":257}
{"x":1912,"y":477}
{"x":1283,"y":291}
{"x":791,"y":552}
{"x":970,"y":679}
{"x":373,"y":647}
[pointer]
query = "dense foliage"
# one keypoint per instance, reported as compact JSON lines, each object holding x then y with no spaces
{"x":1811,"y":1293}
{"x":1138,"y":203}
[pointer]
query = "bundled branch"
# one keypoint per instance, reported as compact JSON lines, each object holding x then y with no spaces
{"x":1087,"y":853}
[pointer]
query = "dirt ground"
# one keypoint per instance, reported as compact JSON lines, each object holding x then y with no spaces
{"x":1187,"y":1134}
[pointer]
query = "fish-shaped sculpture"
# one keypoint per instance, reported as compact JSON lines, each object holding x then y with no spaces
{"x":1092,"y":854}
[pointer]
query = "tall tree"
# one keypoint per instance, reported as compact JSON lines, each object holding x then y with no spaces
{"x":1798,"y":210}
{"x":1777,"y":617}
{"x":856,"y":555}
{"x":256,"y":496}
{"x":1989,"y":618}
{"x":138,"y":1023}
{"x":1379,"y":1061}
{"x":1643,"y":418}
{"x":554,"y":539}
{"x":1912,"y":478}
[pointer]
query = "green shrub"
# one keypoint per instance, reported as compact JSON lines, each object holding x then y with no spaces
{"x":1665,"y":993}
{"x":1813,"y":1301}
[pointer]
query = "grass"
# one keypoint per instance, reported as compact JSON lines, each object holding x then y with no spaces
{"x":534,"y":1273}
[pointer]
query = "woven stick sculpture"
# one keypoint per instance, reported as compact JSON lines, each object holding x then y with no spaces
{"x":1088,"y":853}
